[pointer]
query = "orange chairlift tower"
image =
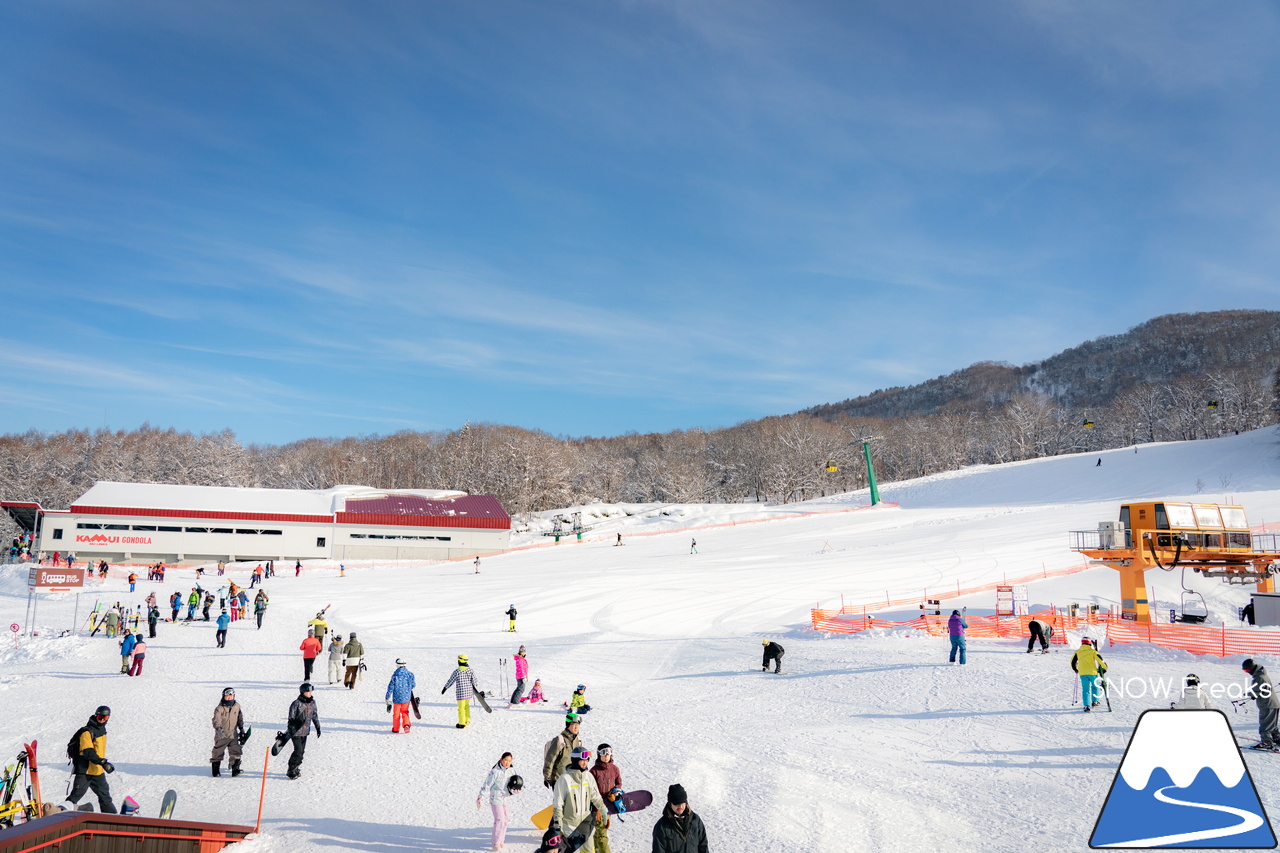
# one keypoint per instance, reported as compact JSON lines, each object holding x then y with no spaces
{"x":1212,"y":539}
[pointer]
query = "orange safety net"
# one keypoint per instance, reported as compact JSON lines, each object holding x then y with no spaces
{"x":833,"y":622}
{"x":1197,"y":639}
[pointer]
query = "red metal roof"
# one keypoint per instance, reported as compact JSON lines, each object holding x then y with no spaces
{"x":468,"y":506}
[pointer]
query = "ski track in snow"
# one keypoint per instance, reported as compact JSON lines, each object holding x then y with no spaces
{"x":867,"y":742}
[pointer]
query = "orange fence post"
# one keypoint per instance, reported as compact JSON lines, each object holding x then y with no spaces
{"x":266,"y":756}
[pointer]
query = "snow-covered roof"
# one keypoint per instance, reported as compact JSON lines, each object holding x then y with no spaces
{"x":229,"y":499}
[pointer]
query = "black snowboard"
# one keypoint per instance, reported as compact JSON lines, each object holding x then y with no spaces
{"x":578,"y":836}
{"x":483,"y":704}
{"x":244,"y":735}
{"x":413,"y":700}
{"x":281,"y":739}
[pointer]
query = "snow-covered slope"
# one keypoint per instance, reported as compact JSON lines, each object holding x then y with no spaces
{"x":868,"y":742}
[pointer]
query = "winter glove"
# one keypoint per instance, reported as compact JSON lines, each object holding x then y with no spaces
{"x":442,"y":690}
{"x":548,"y":783}
{"x":108,"y":766}
{"x":388,"y":707}
{"x":317,"y":730}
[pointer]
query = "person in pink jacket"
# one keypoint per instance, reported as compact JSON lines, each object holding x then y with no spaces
{"x":522,"y":673}
{"x":535,"y":695}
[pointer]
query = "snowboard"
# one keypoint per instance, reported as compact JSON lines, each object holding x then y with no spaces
{"x":244,"y":736}
{"x":413,"y":700}
{"x":578,"y":836}
{"x":542,"y":819}
{"x":632,"y":801}
{"x":281,"y":739}
{"x":483,"y":704}
{"x":166,"y":805}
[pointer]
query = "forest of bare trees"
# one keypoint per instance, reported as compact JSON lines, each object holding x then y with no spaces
{"x":776,"y":459}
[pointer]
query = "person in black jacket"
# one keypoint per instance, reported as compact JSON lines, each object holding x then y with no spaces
{"x":1041,"y":631}
{"x":772,"y":652}
{"x":302,"y":713}
{"x":679,"y":830}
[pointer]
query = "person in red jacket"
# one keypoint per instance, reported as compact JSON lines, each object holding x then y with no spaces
{"x":609,"y":782}
{"x":310,"y":648}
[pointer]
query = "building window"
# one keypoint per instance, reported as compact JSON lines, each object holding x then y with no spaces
{"x":319,"y":541}
{"x":169,"y":529}
{"x":57,"y":533}
{"x":150,"y":527}
{"x":220,"y":530}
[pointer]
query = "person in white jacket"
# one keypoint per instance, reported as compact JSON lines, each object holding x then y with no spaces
{"x":501,"y":783}
{"x":574,"y":795}
{"x":1193,"y":698}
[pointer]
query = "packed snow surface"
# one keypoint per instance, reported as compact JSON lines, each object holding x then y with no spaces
{"x":865,"y":742}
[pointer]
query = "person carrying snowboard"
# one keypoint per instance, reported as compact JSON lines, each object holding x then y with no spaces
{"x":609,"y":783}
{"x":499,"y":785}
{"x":772,"y":652}
{"x":320,"y":625}
{"x":464,"y":685}
{"x":577,"y":703}
{"x":335,"y":658}
{"x":400,"y":695}
{"x":139,"y":654}
{"x":522,"y":673}
{"x":573,"y":797}
{"x":126,"y":650}
{"x":556,"y":754}
{"x":1193,"y":698}
{"x":679,"y":830}
{"x":310,"y":648}
{"x":302,"y":713}
{"x":511,"y":616}
{"x":228,"y":732}
{"x":88,"y":753}
{"x":1041,"y":631}
{"x":1263,"y":693}
{"x":956,"y":626}
{"x":353,"y":657}
{"x":260,"y":606}
{"x":224,"y":621}
{"x":1087,"y":662}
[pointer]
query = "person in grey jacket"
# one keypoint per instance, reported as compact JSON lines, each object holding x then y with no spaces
{"x":1263,"y":693}
{"x":302,"y":713}
{"x":228,"y":729}
{"x":336,"y":656}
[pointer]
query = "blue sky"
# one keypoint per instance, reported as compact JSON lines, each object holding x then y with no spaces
{"x":315,"y":218}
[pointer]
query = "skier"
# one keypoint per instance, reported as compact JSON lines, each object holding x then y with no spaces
{"x":335,"y":658}
{"x":208,"y":602}
{"x":679,"y":830}
{"x":302,"y":713}
{"x":500,"y":784}
{"x":310,"y":648}
{"x":139,"y":654}
{"x":353,"y":657}
{"x":1088,"y":664}
{"x":133,"y":580}
{"x":193,"y":601}
{"x":1193,"y":698}
{"x":153,"y":616}
{"x":609,"y":783}
{"x":88,"y":754}
{"x":772,"y":652}
{"x":477,"y":565}
{"x":464,"y":685}
{"x":126,"y":650}
{"x":260,"y":602}
{"x":511,"y":615}
{"x":224,"y":621}
{"x":693,"y":546}
{"x":956,"y":626}
{"x":577,"y":703}
{"x":555,"y":755}
{"x":400,"y":695}
{"x":1041,"y":631}
{"x":228,"y":732}
{"x":175,"y":604}
{"x":113,"y":622}
{"x":522,"y":673}
{"x":574,"y":796}
{"x":1263,"y":693}
{"x":320,"y":625}
{"x":297,"y":568}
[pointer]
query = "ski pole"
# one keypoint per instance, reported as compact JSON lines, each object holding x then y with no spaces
{"x":1075,"y":689}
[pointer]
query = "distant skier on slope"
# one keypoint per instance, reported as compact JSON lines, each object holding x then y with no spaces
{"x":956,"y":626}
{"x":353,"y":658}
{"x":1041,"y":631}
{"x":310,"y":647}
{"x":511,"y":615}
{"x":772,"y":652}
{"x":577,"y":703}
{"x":335,"y":658}
{"x":1263,"y":693}
{"x":1088,"y":664}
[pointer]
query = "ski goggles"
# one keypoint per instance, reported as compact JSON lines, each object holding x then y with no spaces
{"x":606,"y":751}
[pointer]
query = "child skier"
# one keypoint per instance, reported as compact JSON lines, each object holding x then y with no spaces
{"x":500,"y":784}
{"x":577,"y":703}
{"x":511,"y":615}
{"x":1089,"y":665}
{"x":772,"y":652}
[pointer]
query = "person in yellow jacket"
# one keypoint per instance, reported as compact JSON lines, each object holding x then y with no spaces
{"x":321,"y":626}
{"x":89,"y":763}
{"x":1087,"y":662}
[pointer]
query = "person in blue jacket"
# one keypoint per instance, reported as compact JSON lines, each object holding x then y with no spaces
{"x":126,"y":651}
{"x":956,"y":627}
{"x":223,"y":621}
{"x":400,"y":695}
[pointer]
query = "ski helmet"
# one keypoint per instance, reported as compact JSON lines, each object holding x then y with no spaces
{"x":1193,"y":680}
{"x":229,"y":691}
{"x":580,"y":753}
{"x":1085,"y":641}
{"x":570,"y":719}
{"x":462,"y":660}
{"x":764,"y":642}
{"x":604,"y":749}
{"x":1247,"y":666}
{"x":103,"y":711}
{"x":582,"y":687}
{"x":515,"y":783}
{"x":305,"y":687}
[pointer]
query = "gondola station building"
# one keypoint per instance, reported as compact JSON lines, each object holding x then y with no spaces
{"x":147,"y":523}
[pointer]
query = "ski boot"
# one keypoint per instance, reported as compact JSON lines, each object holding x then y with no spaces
{"x":235,"y":769}
{"x":216,"y":766}
{"x":294,"y":772}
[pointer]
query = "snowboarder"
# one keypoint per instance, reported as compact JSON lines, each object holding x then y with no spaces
{"x":1263,"y":693}
{"x":772,"y":652}
{"x":535,"y":694}
{"x":88,"y":754}
{"x":511,"y":615}
{"x":555,"y":755}
{"x":500,"y":784}
{"x":335,"y":658}
{"x":126,"y":649}
{"x":1041,"y":631}
{"x":574,"y":796}
{"x":693,"y":546}
{"x":522,"y":673}
{"x":320,"y":625}
{"x":464,"y":685}
{"x":260,"y":606}
{"x":679,"y":830}
{"x":302,"y":713}
{"x":609,"y":783}
{"x":310,"y":648}
{"x":224,"y":621}
{"x":399,"y":695}
{"x":228,"y":732}
{"x":1193,"y":698}
{"x":619,"y":542}
{"x":577,"y":703}
{"x":956,"y":626}
{"x":353,"y":657}
{"x":139,"y":654}
{"x":1088,"y":664}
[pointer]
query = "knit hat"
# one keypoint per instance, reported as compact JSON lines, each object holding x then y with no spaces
{"x":676,"y":795}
